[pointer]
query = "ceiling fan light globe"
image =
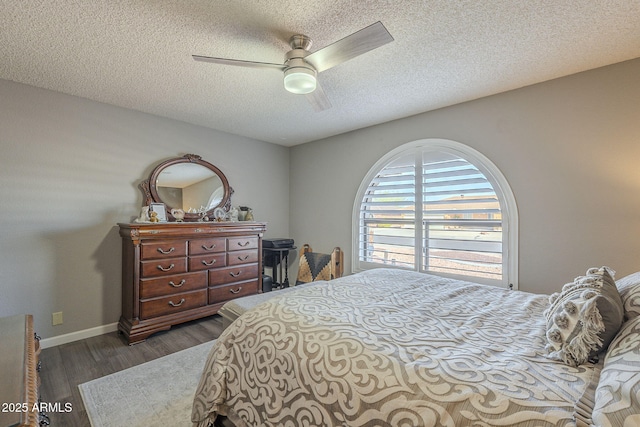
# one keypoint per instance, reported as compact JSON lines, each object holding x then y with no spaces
{"x":299,"y":81}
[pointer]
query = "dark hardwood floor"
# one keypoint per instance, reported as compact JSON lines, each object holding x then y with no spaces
{"x":66,"y":366}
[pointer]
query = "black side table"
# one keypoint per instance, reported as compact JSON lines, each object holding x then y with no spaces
{"x":280,"y":257}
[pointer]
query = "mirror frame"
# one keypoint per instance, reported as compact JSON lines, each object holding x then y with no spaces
{"x":150,"y":190}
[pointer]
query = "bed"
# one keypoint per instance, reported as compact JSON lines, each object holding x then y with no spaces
{"x":389,"y":347}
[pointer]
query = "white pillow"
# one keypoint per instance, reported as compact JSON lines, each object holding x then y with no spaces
{"x":629,"y":288}
{"x":618,"y":393}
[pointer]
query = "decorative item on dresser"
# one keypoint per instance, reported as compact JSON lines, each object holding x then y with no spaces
{"x":176,"y":272}
{"x":19,"y":368}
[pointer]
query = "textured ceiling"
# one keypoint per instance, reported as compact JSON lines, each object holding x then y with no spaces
{"x":137,"y":54}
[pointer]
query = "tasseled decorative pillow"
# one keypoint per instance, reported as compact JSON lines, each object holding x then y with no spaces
{"x":583,"y":318}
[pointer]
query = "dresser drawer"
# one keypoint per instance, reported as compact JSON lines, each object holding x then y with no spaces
{"x":242,"y":257}
{"x":207,"y":246}
{"x":152,"y":288}
{"x":235,"y":290}
{"x":239,"y":273}
{"x":242,"y":243}
{"x":205,"y":262}
{"x":173,"y":304}
{"x":163,"y":249}
{"x":163,"y":267}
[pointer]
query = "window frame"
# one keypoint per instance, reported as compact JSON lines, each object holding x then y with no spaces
{"x":508,"y":206}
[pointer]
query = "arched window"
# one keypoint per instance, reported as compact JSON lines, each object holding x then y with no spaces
{"x":441,"y":207}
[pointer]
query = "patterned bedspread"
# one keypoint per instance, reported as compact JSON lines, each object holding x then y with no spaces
{"x":392,"y":348}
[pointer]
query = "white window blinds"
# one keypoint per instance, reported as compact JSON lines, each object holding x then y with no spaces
{"x":388,"y":216}
{"x":462,"y":220}
{"x":432,"y":211}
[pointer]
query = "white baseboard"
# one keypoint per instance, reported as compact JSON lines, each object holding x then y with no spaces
{"x":79,"y":335}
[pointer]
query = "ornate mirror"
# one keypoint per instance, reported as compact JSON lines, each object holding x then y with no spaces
{"x":188,"y":183}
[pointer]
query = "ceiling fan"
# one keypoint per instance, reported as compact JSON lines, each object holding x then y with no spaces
{"x":301,"y":67}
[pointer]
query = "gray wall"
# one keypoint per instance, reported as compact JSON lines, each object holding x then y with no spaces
{"x":569,"y":148}
{"x":69,"y":170}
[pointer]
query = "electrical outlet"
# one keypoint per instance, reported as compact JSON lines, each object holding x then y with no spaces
{"x":57,"y":318}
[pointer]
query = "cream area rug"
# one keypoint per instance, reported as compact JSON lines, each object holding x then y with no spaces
{"x":156,"y":393}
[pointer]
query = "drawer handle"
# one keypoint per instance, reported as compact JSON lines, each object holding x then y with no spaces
{"x":163,"y":252}
{"x":173,"y":304}
{"x":209,"y":248}
{"x":232,"y":274}
{"x":235,"y":291}
{"x":213,"y":261}
{"x":166,"y":269}
{"x":243,"y":258}
{"x":244,"y":244}
{"x":179,"y":285}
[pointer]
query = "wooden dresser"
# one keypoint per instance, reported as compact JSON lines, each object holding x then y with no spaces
{"x":19,"y":379}
{"x":180,"y":271}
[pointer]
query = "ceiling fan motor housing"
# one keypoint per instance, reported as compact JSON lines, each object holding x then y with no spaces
{"x":295,"y":59}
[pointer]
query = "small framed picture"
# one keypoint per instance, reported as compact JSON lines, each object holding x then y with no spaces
{"x":160,"y":210}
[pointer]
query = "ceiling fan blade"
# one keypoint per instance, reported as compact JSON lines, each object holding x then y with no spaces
{"x":318,"y":99}
{"x":238,"y":62}
{"x":368,"y":38}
